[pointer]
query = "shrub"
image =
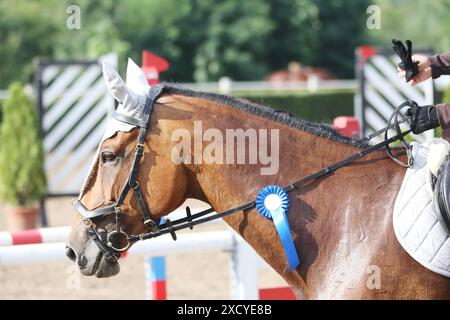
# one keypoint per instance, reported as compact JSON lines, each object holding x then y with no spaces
{"x":22,"y":174}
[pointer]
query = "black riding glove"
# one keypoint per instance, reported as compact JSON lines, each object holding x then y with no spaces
{"x":411,"y":68}
{"x":422,"y":118}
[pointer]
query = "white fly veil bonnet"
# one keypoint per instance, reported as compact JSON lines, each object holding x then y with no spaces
{"x":131,"y":96}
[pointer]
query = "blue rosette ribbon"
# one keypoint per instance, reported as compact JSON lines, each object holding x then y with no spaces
{"x":272,"y":202}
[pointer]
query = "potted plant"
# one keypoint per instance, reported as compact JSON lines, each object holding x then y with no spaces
{"x":22,"y":174}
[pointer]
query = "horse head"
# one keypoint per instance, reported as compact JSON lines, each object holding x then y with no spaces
{"x":110,"y":205}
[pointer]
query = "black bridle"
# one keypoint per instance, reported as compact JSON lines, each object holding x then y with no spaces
{"x":105,"y":240}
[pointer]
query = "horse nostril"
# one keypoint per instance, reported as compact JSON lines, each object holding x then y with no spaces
{"x":70,"y":253}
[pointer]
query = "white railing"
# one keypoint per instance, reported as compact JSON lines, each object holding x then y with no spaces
{"x":244,"y":260}
{"x":227,"y":86}
{"x":55,"y":252}
{"x":313,"y":84}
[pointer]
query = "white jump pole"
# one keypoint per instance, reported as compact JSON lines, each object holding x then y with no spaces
{"x":61,"y":234}
{"x":244,"y":271}
{"x":54,"y":252}
{"x":244,"y":261}
{"x":42,"y":235}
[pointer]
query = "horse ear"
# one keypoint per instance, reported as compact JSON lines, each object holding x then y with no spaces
{"x":136,"y":79}
{"x":117,"y":86}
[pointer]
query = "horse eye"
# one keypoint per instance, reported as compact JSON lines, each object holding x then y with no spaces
{"x":108,"y":157}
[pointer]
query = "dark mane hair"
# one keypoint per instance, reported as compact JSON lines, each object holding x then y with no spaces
{"x":319,"y":129}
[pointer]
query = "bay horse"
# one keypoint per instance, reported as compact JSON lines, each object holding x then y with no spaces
{"x":341,"y":223}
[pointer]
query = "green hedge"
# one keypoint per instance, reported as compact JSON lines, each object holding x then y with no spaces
{"x":322,"y":106}
{"x":22,"y":172}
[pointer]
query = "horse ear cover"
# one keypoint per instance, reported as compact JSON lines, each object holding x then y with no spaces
{"x":136,"y":79}
{"x":130,"y":95}
{"x":118,"y":88}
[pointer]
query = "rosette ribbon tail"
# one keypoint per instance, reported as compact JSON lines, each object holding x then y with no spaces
{"x":281,"y":223}
{"x":272,"y":202}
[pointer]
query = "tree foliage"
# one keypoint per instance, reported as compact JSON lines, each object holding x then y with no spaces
{"x":22,"y":176}
{"x":26,"y":31}
{"x":205,"y":40}
{"x":294,"y":36}
{"x":426,"y":23}
{"x":98,"y":34}
{"x":342,"y":28}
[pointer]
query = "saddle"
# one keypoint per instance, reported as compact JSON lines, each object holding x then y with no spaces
{"x":441,"y":194}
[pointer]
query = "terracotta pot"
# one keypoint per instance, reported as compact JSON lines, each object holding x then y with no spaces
{"x":21,"y":218}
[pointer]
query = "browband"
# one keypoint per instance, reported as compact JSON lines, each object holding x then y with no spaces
{"x":130,"y":120}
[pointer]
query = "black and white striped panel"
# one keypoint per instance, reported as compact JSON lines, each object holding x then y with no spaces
{"x":74,"y":105}
{"x":381,"y":90}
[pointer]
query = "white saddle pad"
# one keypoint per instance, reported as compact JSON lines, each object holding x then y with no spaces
{"x":415,"y":223}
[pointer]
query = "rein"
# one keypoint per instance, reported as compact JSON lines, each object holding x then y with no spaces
{"x":104,"y":242}
{"x":191,"y":220}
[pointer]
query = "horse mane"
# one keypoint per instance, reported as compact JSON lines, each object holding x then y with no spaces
{"x":323,"y":130}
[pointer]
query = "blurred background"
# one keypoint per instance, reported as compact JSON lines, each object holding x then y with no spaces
{"x":206,"y":40}
{"x":310,"y":57}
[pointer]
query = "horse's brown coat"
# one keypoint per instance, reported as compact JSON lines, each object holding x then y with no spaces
{"x":342,"y":223}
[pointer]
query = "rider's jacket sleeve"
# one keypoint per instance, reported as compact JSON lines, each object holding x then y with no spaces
{"x":443,"y":111}
{"x":440,"y":64}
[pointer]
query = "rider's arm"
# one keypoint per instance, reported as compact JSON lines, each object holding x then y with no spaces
{"x":440,"y":64}
{"x":443,"y":112}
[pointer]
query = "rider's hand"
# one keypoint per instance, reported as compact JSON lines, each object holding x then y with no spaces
{"x":424,"y":70}
{"x":422,"y":118}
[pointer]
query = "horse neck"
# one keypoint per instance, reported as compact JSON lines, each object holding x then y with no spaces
{"x":300,"y":153}
{"x":341,"y":223}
